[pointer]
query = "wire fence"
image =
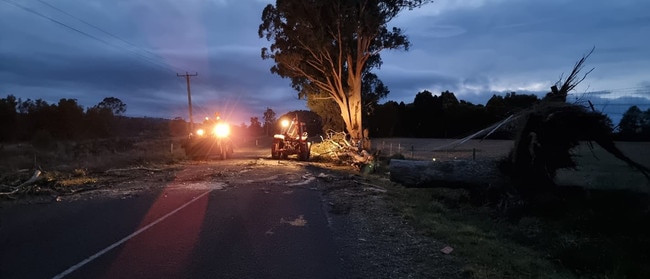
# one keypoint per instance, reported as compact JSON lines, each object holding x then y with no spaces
{"x":442,"y":149}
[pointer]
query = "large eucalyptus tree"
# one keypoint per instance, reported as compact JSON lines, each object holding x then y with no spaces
{"x":326,"y":46}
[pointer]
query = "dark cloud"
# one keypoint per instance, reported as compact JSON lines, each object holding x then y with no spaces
{"x":133,"y":50}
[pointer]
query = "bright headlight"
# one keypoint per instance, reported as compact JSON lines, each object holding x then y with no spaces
{"x":222,"y":130}
{"x":285,"y":123}
{"x":200,"y":132}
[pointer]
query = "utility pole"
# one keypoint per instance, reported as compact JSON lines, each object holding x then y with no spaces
{"x":189,"y":96}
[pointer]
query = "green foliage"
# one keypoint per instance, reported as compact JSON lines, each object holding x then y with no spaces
{"x":325,"y":47}
{"x":373,"y":90}
{"x":328,"y":110}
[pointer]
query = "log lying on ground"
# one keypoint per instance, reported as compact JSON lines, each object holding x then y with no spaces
{"x":454,"y":174}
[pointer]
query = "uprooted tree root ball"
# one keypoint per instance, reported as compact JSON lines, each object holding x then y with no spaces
{"x":337,"y":148}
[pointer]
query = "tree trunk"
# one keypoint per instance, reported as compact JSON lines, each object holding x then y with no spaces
{"x":454,"y":174}
{"x":351,"y":113}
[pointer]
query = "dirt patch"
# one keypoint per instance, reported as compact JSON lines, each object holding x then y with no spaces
{"x":377,"y":242}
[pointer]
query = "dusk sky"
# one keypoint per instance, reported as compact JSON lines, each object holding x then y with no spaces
{"x":133,"y":49}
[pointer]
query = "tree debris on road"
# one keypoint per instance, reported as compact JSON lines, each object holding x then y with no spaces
{"x":337,"y":147}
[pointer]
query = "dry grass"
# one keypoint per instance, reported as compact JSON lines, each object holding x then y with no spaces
{"x":91,"y":155}
{"x":68,"y":167}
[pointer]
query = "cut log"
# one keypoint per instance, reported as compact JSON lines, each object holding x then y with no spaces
{"x":453,"y":174}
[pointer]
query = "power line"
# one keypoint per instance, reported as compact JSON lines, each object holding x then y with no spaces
{"x":97,"y":28}
{"x":144,"y":58}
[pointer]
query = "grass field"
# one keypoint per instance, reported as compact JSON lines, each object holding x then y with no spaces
{"x":597,"y":169}
{"x":601,"y":231}
{"x":442,"y":149}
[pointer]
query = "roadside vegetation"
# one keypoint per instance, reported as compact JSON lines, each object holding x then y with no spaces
{"x":599,"y":234}
{"x":572,"y":232}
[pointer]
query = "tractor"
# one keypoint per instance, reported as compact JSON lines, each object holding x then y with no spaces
{"x":212,"y":138}
{"x":291,"y":140}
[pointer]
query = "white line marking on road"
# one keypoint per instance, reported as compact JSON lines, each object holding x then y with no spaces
{"x":125,"y":239}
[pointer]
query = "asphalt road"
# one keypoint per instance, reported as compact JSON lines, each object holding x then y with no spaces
{"x":249,"y":217}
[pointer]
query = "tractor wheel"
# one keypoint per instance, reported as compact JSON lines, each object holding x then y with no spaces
{"x":275,"y":153}
{"x":303,"y":152}
{"x":230,"y":151}
{"x":223,"y":151}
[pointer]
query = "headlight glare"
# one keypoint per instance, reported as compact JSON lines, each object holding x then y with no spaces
{"x":222,"y":130}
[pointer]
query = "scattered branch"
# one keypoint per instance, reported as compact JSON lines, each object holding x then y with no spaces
{"x":25,"y":185}
{"x":338,"y":148}
{"x":132,"y":169}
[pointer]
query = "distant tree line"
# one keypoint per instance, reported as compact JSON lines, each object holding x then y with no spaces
{"x":634,"y":125}
{"x":40,"y":121}
{"x":444,"y":116}
{"x":428,"y":116}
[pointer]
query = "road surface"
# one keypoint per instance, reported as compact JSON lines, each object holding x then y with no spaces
{"x":249,"y":217}
{"x":246,"y":217}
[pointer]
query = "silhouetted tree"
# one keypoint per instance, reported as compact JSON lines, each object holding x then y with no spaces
{"x":255,"y":129}
{"x":115,"y":105}
{"x":39,"y":117}
{"x":385,"y":120}
{"x":8,"y":118}
{"x":269,"y":121}
{"x":427,"y":114}
{"x":635,"y":124}
{"x":69,"y":119}
{"x":325,"y":47}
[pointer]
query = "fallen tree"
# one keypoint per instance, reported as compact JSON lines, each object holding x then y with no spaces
{"x":451,"y":174}
{"x":337,"y":147}
{"x":548,"y":133}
